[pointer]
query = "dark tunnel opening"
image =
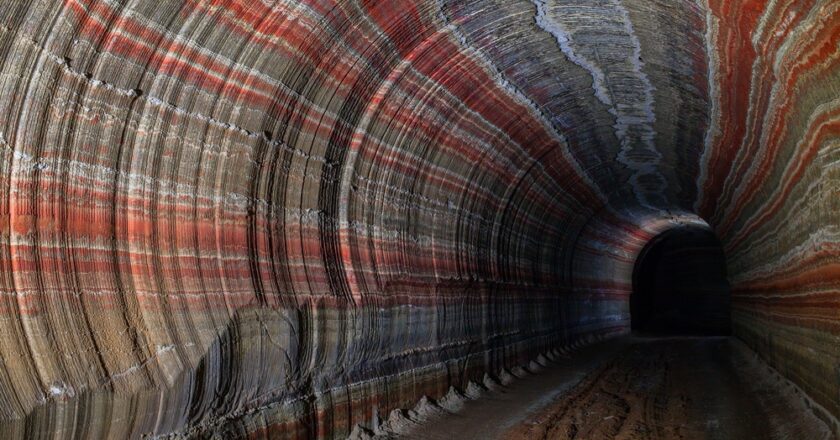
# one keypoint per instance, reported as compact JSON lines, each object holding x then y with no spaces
{"x":680,"y":285}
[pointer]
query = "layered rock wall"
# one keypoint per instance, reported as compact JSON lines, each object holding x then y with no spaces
{"x":291,"y":217}
{"x":771,"y":184}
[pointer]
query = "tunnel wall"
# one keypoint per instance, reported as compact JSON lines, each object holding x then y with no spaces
{"x":225,"y":217}
{"x":290,"y":217}
{"x":770,"y":185}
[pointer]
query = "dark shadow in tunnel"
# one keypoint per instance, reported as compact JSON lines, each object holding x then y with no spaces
{"x":680,"y":285}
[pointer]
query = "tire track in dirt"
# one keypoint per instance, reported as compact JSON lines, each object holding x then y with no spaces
{"x":672,"y":388}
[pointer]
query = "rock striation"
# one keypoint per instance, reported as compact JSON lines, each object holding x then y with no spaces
{"x":285,"y":218}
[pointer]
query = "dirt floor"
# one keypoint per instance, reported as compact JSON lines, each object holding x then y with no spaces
{"x":637,"y":388}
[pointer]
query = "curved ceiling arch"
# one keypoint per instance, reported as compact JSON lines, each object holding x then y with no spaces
{"x":408,"y":194}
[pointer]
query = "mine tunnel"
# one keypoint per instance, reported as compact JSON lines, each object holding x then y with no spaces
{"x":680,"y":285}
{"x":428,"y":219}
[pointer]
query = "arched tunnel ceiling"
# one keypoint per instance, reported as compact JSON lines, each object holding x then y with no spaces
{"x":322,"y":209}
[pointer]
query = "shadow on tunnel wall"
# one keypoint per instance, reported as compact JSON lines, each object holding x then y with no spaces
{"x":680,"y":285}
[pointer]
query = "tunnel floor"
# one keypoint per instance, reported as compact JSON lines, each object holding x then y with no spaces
{"x":639,"y":388}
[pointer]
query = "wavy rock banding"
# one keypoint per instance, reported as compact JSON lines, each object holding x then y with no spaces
{"x":287,"y":218}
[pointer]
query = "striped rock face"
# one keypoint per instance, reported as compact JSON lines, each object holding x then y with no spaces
{"x":288,"y":217}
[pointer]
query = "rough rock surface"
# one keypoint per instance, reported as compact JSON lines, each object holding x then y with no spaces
{"x":289,"y":218}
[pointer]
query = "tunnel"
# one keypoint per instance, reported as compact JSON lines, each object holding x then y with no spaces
{"x":314,"y":219}
{"x":680,"y":285}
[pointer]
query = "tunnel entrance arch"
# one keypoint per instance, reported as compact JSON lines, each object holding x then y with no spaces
{"x":680,"y":285}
